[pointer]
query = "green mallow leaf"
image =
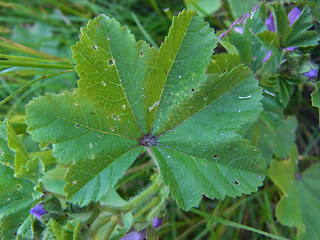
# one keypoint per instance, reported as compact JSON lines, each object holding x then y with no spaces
{"x":14,"y":155}
{"x":71,"y":230}
{"x":168,"y":101}
{"x":315,"y":96}
{"x":273,"y":141}
{"x":6,"y":154}
{"x":15,"y":202}
{"x":239,"y":9}
{"x":203,"y":7}
{"x":247,"y":43}
{"x":299,"y":35}
{"x":300,"y":204}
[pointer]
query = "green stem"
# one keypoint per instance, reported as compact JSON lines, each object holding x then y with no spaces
{"x":269,"y":212}
{"x":147,"y":207}
{"x":236,"y":225}
{"x":138,"y":200}
{"x":113,"y":223}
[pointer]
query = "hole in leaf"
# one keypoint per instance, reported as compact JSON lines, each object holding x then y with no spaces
{"x":141,"y":53}
{"x":94,"y":47}
{"x":115,"y":117}
{"x":111,"y":62}
{"x":18,"y":187}
{"x":236,"y":182}
{"x":75,"y":104}
{"x":215,"y":156}
{"x":192,"y":90}
{"x":123,"y":107}
{"x":77,"y":125}
{"x":112,"y":129}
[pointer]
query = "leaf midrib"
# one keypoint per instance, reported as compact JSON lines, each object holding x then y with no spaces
{"x":167,"y":75}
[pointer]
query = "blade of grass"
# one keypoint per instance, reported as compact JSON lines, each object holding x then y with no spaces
{"x":28,"y":59}
{"x":21,"y":48}
{"x":29,"y":84}
{"x":236,"y":225}
{"x":144,"y":32}
{"x":6,"y":63}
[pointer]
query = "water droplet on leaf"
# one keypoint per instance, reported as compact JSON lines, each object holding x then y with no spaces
{"x":245,"y":97}
{"x":103,"y":83}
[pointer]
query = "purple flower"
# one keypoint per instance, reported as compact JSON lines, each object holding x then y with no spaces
{"x":293,"y":15}
{"x":311,"y":74}
{"x":238,"y":29}
{"x":38,"y":211}
{"x":141,"y":235}
{"x":270,"y":23}
{"x":267,"y":57}
{"x":157,"y":222}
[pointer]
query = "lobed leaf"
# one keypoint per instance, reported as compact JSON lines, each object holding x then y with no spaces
{"x":15,"y":202}
{"x":168,"y":100}
{"x":301,"y":192}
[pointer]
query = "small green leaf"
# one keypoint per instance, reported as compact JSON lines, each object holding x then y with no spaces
{"x":301,"y":193}
{"x":53,"y":180}
{"x":69,"y":231}
{"x":6,"y":154}
{"x":248,"y":44}
{"x":299,"y":35}
{"x":270,"y":39}
{"x":15,"y":202}
{"x":282,"y":23}
{"x":26,"y":229}
{"x":203,"y":7}
{"x":315,"y":96}
{"x":239,"y":9}
{"x":273,"y":141}
{"x":14,"y":155}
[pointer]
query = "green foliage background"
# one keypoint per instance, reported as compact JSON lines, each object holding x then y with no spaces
{"x":35,"y":40}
